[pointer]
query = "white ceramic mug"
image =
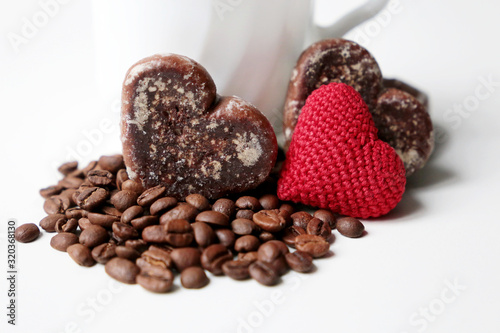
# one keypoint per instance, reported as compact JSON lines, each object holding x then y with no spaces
{"x":248,"y":46}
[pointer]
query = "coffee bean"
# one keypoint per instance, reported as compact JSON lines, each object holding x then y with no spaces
{"x":84,"y":223}
{"x":318,"y":227}
{"x":203,"y":234}
{"x":224,"y":206}
{"x":270,"y":251}
{"x":269,"y":220}
{"x":214,"y":256}
{"x":156,"y":279}
{"x":263,"y":273}
{"x":48,"y":223}
{"x":198,"y":201}
{"x":280,"y":265}
{"x":56,"y":204}
{"x":266,"y":236}
{"x":185,"y":257}
{"x":161,"y":205}
{"x":326,"y":216}
{"x":103,"y":220}
{"x":104,"y":252}
{"x":290,"y":234}
{"x":122,"y":270}
{"x":154,"y":234}
{"x":301,"y":219}
{"x":131,"y":213}
{"x":75,"y":213}
{"x":110,"y":210}
{"x":182,"y":211}
{"x":244,"y":214}
{"x":63,"y":225}
{"x":247,"y":243}
{"x":243,"y":226}
{"x":249,"y":256}
{"x":316,"y":246}
{"x":151,"y":195}
{"x":269,"y":201}
{"x":111,"y":163}
{"x":121,"y":176}
{"x":70,"y":182}
{"x":91,"y":166}
{"x":123,"y":200}
{"x":91,"y":198}
{"x":287,"y":207}
{"x":127,"y":253}
{"x":144,"y":221}
{"x":213,"y":218}
{"x":155,"y":256}
{"x":131,"y":185}
{"x":50,"y":191}
{"x":100,"y":177}
{"x":299,"y":261}
{"x":137,"y":244}
{"x":81,"y":255}
{"x":26,"y":233}
{"x":247,"y":202}
{"x":237,"y":269}
{"x":194,"y":278}
{"x":179,"y":233}
{"x":93,"y":235}
{"x":123,"y":232}
{"x":350,"y":227}
{"x":68,"y":167}
{"x":226,"y":237}
{"x":62,"y":240}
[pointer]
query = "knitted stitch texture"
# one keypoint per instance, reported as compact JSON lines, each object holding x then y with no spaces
{"x":336,"y":161}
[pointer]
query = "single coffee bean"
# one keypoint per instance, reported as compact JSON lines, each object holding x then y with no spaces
{"x":226,"y":237}
{"x":213,"y":257}
{"x":111,"y":163}
{"x":301,"y":219}
{"x":213,"y":218}
{"x":316,"y":246}
{"x":198,"y":201}
{"x":84,"y":223}
{"x":70,"y":182}
{"x":156,"y":279}
{"x":247,"y":243}
{"x":127,"y":253}
{"x":244,"y":214}
{"x":49,"y":222}
{"x":131,"y":185}
{"x":326,"y":216}
{"x":236,"y":269}
{"x":155,"y":256}
{"x":131,"y":213}
{"x":179,"y":233}
{"x":270,"y":251}
{"x":269,"y":220}
{"x":248,"y":202}
{"x":194,"y":278}
{"x":249,"y":256}
{"x":50,"y":191}
{"x":100,"y":177}
{"x":287,"y":207}
{"x":123,"y":232}
{"x":91,"y":198}
{"x":184,"y":257}
{"x":290,"y":233}
{"x":91,"y":166}
{"x":123,"y":200}
{"x":266,"y":236}
{"x":224,"y":206}
{"x":243,"y":226}
{"x":62,"y":240}
{"x":137,"y":244}
{"x":104,"y":252}
{"x":299,"y":261}
{"x":183,"y":211}
{"x":75,"y":213}
{"x":121,"y":176}
{"x":26,"y":233}
{"x":263,"y":273}
{"x":111,"y":210}
{"x":103,"y":220}
{"x":144,"y":221}
{"x":162,"y":205}
{"x":56,"y":204}
{"x":269,"y":201}
{"x":122,"y":270}
{"x":81,"y":255}
{"x":154,"y":234}
{"x":63,"y":225}
{"x":93,"y":235}
{"x":350,"y":227}
{"x":280,"y":265}
{"x":151,"y":195}
{"x":318,"y":227}
{"x":203,"y":234}
{"x":68,"y":167}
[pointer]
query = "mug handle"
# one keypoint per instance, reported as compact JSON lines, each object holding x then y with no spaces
{"x":350,"y":20}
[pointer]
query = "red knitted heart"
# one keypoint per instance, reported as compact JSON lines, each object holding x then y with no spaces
{"x":336,"y":160}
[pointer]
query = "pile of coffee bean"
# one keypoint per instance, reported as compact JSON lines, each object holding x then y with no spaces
{"x":145,"y":237}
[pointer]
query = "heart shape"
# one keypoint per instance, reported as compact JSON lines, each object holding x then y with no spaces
{"x":336,"y":160}
{"x":176,"y":131}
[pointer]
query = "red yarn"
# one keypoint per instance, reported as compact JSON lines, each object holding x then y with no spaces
{"x":336,"y":161}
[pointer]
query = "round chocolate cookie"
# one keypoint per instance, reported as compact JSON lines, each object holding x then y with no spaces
{"x":327,"y":61}
{"x":403,"y":122}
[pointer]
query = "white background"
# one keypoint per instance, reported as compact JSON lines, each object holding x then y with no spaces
{"x":444,"y":232}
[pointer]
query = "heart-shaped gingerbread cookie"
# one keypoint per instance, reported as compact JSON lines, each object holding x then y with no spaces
{"x":176,"y":131}
{"x":336,"y":160}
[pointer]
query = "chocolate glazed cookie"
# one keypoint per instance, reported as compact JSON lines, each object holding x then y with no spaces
{"x":177,"y":132}
{"x":331,"y":60}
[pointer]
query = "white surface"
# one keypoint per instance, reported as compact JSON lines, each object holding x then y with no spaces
{"x":444,"y":231}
